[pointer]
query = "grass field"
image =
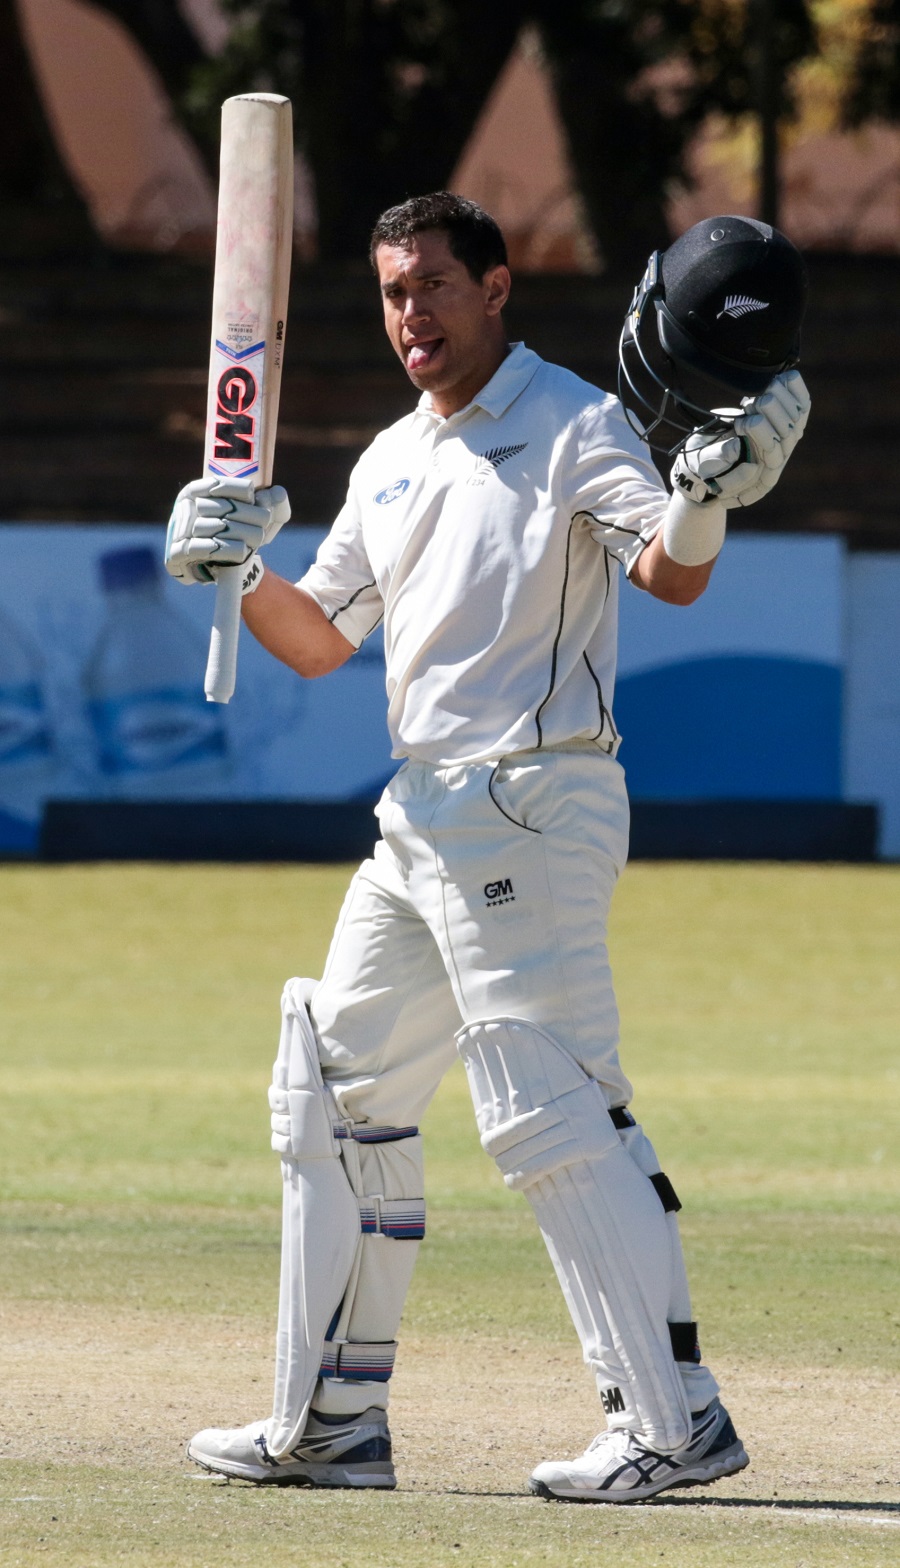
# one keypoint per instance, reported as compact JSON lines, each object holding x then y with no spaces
{"x":761,"y":1013}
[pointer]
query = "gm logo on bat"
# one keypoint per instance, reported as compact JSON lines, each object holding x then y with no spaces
{"x":235,"y":396}
{"x":392,"y":492}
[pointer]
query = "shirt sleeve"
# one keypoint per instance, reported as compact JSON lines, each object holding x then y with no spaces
{"x":611,"y":483}
{"x":341,"y":579}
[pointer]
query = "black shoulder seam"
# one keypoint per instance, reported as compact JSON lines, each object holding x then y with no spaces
{"x":562,"y":615}
{"x":353,"y":597}
{"x":616,"y":528}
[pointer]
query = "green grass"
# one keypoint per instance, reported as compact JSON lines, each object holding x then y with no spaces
{"x":100,"y":1517}
{"x":139,"y":1021}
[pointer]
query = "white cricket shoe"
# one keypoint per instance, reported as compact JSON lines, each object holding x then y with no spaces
{"x":333,"y":1451}
{"x":619,"y":1468}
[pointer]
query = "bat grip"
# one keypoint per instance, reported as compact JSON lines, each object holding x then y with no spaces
{"x":221,"y":668}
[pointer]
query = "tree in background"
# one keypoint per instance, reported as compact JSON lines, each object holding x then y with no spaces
{"x":387,"y":92}
{"x":175,"y":52}
{"x":634,"y":81}
{"x":874,"y":85}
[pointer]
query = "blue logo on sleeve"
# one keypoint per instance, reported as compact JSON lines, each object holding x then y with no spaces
{"x":392,"y":492}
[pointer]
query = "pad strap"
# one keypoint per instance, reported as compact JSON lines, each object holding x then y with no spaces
{"x":359,"y":1363}
{"x":666,"y":1193}
{"x":622,"y":1120}
{"x":401,"y":1218}
{"x":360,"y":1133}
{"x":621,"y":1117}
{"x":685,"y":1342}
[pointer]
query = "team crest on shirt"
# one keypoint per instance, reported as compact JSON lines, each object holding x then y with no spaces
{"x":490,"y":462}
{"x":392,"y":492}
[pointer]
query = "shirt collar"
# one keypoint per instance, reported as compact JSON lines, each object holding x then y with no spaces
{"x":508,"y":380}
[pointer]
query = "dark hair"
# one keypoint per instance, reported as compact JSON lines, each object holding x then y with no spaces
{"x":472,"y":234}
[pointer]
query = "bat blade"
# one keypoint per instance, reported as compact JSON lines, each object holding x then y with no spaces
{"x":250,"y":298}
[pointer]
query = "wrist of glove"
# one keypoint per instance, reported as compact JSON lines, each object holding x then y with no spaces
{"x":252,"y":574}
{"x":738,"y":465}
{"x":220,"y":523}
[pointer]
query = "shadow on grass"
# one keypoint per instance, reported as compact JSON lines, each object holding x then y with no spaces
{"x":776,"y":1504}
{"x":814,"y":1505}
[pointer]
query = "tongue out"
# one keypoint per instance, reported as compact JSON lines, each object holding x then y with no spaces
{"x":421,"y":353}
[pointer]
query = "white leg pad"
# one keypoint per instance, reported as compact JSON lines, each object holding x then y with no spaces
{"x":547,"y":1125}
{"x":320,"y":1219}
{"x":358,"y":1355}
{"x":350,"y":1193}
{"x":700,"y":1385}
{"x":635,"y":1140}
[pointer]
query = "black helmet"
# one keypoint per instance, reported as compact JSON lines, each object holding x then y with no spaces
{"x":727,"y":301}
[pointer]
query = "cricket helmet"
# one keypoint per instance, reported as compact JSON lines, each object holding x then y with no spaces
{"x":713,"y":319}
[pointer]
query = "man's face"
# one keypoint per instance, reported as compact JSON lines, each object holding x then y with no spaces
{"x":444,"y":325}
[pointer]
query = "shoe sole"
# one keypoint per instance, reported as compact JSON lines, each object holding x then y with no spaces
{"x":377,"y":1474}
{"x":729,"y":1462}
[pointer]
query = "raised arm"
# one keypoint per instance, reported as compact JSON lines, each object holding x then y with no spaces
{"x":294,"y":628}
{"x":220,"y":525}
{"x":668,"y":580}
{"x":716,"y":471}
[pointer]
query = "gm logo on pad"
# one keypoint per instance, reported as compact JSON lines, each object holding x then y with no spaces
{"x":392,"y":493}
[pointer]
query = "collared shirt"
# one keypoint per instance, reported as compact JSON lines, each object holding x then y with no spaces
{"x":490,"y":542}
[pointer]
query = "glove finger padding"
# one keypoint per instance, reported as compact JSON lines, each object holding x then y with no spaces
{"x":229,"y":552}
{"x":793,"y":393}
{"x":786,"y":405}
{"x":714,"y":466}
{"x":275,"y":500}
{"x":768,"y":429}
{"x":716,"y":458}
{"x":221,"y":523}
{"x":763,"y":439}
{"x":234,"y":489}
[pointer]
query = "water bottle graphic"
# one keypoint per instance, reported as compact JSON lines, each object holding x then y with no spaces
{"x":157,"y":737}
{"x":27,"y":762}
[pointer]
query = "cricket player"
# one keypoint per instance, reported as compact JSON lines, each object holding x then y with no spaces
{"x":490,"y":531}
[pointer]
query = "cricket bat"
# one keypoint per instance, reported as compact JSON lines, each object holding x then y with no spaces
{"x":249,"y":311}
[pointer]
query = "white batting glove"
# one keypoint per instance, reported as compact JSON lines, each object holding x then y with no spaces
{"x":218,"y":523}
{"x":738,"y":469}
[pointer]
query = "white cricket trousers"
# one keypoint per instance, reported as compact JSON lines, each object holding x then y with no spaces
{"x":487,"y":897}
{"x":487,"y":900}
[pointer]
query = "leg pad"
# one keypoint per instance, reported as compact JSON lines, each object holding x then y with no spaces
{"x":548,"y":1127}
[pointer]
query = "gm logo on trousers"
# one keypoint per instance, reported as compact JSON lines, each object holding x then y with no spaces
{"x":500,"y":892}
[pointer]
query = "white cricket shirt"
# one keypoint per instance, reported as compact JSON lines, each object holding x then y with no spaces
{"x":490,"y":543}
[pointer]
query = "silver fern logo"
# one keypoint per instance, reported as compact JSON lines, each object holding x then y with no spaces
{"x":492,"y":460}
{"x":741,"y":305}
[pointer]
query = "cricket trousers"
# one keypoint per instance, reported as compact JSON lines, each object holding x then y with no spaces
{"x":486,"y":898}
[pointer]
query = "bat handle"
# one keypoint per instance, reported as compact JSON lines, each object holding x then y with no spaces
{"x":221,"y":669}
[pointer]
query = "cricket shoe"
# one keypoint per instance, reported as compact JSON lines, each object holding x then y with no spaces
{"x":333,"y":1451}
{"x":619,"y":1468}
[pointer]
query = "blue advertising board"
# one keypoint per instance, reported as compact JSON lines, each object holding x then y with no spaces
{"x":769,"y":688}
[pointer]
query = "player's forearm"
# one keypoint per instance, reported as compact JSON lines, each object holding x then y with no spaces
{"x":294,"y":628}
{"x":668,"y":580}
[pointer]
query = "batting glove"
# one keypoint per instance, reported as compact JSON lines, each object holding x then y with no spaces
{"x":222,"y":523}
{"x":738,"y":469}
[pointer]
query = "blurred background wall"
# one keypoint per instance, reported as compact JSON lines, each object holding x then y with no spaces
{"x":146,"y":185}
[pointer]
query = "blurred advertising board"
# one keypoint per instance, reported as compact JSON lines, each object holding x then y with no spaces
{"x":101,"y":687}
{"x":776,"y":685}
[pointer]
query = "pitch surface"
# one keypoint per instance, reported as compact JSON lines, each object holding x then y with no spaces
{"x":760,"y":1014}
